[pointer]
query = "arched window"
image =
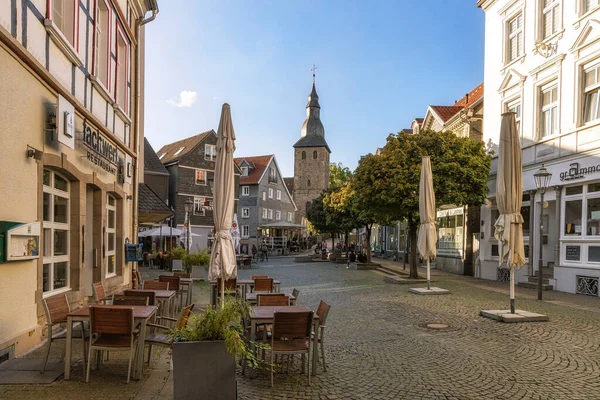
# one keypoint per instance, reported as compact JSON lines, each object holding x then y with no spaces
{"x":304,"y":155}
{"x":308,"y":183}
{"x":315,"y":155}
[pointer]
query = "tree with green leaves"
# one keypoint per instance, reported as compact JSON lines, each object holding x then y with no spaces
{"x":460,"y":168}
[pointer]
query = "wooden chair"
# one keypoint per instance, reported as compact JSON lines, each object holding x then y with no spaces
{"x":296,"y":294}
{"x":182,"y":274}
{"x":173,"y":285}
{"x":322,"y":312}
{"x":138,"y":276}
{"x":99,"y":294}
{"x":149,"y":294}
{"x":272,"y":299}
{"x":184,"y":289}
{"x":230,"y":288}
{"x":291,"y":335}
{"x":112,"y":329}
{"x":263,"y":285}
{"x":159,"y":334}
{"x":56,"y":309}
{"x":259,"y":277}
{"x":154,"y":285}
{"x":121,"y":300}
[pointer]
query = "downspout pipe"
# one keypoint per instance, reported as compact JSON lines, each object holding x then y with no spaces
{"x":138,"y":79}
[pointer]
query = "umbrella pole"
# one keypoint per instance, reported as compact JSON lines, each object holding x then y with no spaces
{"x":512,"y":292}
{"x":222,"y":291}
{"x":428,"y":274}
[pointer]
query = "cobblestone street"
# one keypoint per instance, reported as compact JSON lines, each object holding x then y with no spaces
{"x":377,"y":345}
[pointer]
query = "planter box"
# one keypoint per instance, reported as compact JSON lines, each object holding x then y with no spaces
{"x":203,"y":370}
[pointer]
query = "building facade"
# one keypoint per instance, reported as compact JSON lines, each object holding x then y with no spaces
{"x":542,"y":61}
{"x":266,"y":210}
{"x":191,"y":166}
{"x":70,"y":142}
{"x":311,"y":158}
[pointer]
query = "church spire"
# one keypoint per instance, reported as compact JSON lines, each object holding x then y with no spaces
{"x":313,"y":97}
{"x":313,"y":132}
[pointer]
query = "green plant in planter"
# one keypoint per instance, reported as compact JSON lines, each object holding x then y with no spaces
{"x":178,"y":253}
{"x":226,"y":324}
{"x":196,"y":259}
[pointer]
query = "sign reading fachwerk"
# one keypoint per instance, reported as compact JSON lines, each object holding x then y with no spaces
{"x":100,"y":151}
{"x":575,"y":172}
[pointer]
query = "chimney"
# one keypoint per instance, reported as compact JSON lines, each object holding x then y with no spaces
{"x":466,"y":98}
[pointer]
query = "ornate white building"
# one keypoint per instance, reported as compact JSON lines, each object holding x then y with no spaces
{"x":542,"y":61}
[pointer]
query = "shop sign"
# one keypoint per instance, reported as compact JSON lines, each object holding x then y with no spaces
{"x":449,"y":213}
{"x":575,"y":172}
{"x":100,"y":151}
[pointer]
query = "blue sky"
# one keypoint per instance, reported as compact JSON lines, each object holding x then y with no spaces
{"x":379,"y":65}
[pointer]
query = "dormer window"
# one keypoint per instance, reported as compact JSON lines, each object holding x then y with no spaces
{"x":244,"y":171}
{"x":161,"y":156}
{"x":179,"y":151}
{"x":210,"y":152}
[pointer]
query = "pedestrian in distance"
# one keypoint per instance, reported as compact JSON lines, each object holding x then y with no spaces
{"x":254,"y":253}
{"x":264,"y":252}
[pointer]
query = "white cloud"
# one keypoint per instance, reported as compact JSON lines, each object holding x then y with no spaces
{"x":186,"y":98}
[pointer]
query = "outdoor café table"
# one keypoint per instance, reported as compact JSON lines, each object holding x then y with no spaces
{"x":251,"y":298}
{"x":165,"y":297}
{"x":264,"y":315}
{"x":244,"y":285}
{"x":141,"y":315}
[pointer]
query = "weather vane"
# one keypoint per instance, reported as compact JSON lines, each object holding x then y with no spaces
{"x":313,"y":69}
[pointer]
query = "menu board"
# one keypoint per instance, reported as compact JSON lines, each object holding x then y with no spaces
{"x":573,"y":253}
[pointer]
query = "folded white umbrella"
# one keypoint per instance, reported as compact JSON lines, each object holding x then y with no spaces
{"x":427,"y":233}
{"x":509,"y":196}
{"x":222,"y":262}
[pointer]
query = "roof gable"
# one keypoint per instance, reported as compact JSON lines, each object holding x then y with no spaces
{"x":257,"y":167}
{"x":175,"y":151}
{"x":511,"y":79}
{"x":152,"y":163}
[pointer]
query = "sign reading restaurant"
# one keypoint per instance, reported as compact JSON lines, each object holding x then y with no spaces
{"x":100,"y":151}
{"x":575,"y":172}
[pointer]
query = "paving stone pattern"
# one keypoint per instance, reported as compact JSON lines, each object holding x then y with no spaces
{"x":378,"y":345}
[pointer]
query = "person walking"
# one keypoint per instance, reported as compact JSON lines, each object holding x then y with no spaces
{"x":254,"y":253}
{"x":264,"y":252}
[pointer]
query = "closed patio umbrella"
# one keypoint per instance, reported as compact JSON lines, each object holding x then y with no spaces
{"x":222,"y":259}
{"x":509,"y":196}
{"x":427,"y":234}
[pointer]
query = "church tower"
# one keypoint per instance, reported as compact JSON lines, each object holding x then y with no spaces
{"x":311,"y":157}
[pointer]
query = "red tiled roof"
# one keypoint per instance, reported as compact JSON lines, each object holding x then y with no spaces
{"x":447,"y":112}
{"x":419,"y":121}
{"x":258,"y":164}
{"x":168,"y":152}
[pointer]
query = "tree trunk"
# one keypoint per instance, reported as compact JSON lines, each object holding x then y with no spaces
{"x":368,"y":246}
{"x":346,"y":242}
{"x":332,"y":242}
{"x":412,"y":227}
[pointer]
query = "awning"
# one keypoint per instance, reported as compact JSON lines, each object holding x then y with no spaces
{"x":164,"y":231}
{"x":283,"y":225}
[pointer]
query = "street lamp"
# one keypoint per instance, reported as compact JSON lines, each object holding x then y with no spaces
{"x":542,"y":181}
{"x":188,"y":206}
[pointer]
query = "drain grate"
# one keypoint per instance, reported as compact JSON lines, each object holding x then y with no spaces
{"x":437,"y":326}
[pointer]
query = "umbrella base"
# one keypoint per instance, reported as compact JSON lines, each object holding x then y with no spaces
{"x":518,"y":316}
{"x":430,"y":291}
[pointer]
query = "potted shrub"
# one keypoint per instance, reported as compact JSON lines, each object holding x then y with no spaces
{"x":178,"y":253}
{"x":196,"y":259}
{"x":206,"y":350}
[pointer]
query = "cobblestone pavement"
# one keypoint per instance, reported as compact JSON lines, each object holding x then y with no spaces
{"x":377,"y":345}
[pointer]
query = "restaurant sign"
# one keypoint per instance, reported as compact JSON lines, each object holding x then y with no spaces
{"x":576,"y":172}
{"x":99,"y":151}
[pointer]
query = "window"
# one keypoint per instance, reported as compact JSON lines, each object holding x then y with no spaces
{"x":581,"y":224}
{"x":64,"y":16}
{"x":303,"y":155}
{"x":289,"y":216}
{"x":179,"y":151}
{"x":450,"y":231}
{"x":245,"y":190}
{"x":278,"y":194}
{"x":270,"y":193}
{"x":550,"y":17}
{"x":161,"y":156}
{"x":515,"y":106}
{"x":588,"y":5}
{"x":244,"y":171}
{"x":200,"y":177}
{"x":245,"y":231}
{"x":264,"y":196}
{"x":56,"y":231}
{"x":199,"y":204}
{"x":278,"y":215}
{"x":121,"y":85}
{"x":549,"y":110}
{"x":315,"y":155}
{"x":308,"y":183}
{"x":102,"y":42}
{"x":270,"y":214}
{"x":272,"y":175}
{"x":210,"y":152}
{"x":111,"y":235}
{"x":591,"y":82}
{"x":264,"y":213}
{"x":515,"y":38}
{"x":245,"y":212}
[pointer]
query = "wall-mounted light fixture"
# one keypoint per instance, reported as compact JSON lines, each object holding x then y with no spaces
{"x":129,"y":197}
{"x":34,"y":153}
